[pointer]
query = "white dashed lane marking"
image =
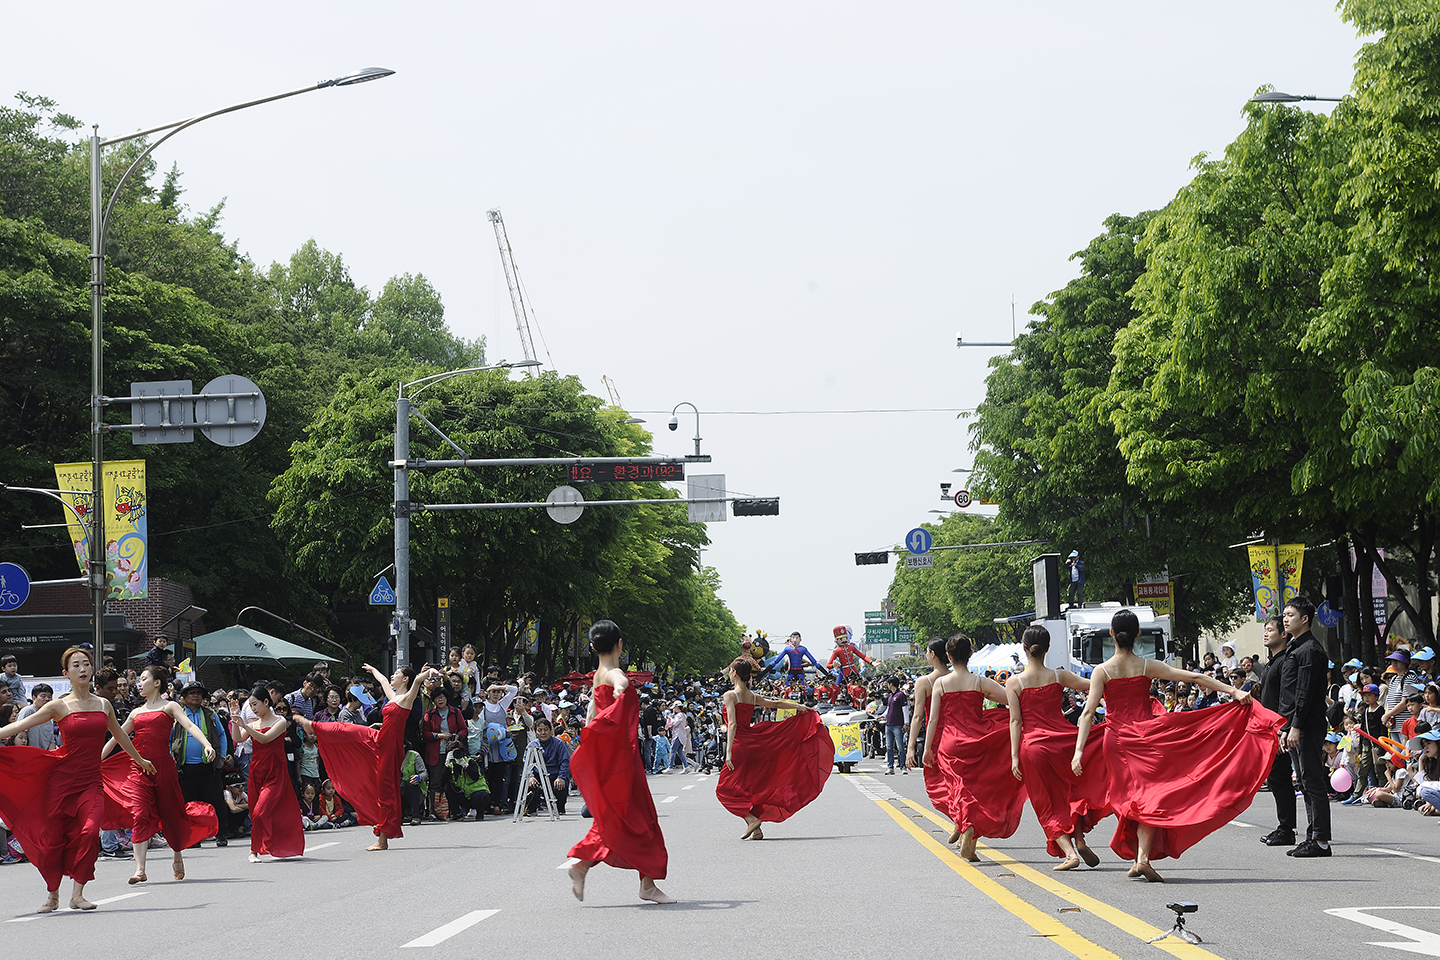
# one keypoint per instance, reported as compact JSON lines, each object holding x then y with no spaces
{"x":441,"y":934}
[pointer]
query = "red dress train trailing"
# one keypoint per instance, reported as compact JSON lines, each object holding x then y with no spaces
{"x":148,"y":805}
{"x":779,"y":767}
{"x":611,"y":776}
{"x":275,"y":825}
{"x":54,"y":801}
{"x":1186,"y":774}
{"x":973,"y":785}
{"x":364,"y":765}
{"x":1063,"y":802}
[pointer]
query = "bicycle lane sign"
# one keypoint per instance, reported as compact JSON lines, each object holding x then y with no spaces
{"x":14,"y":586}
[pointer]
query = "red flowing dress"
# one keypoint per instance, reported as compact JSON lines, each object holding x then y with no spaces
{"x":145,"y":805}
{"x":1186,"y":774}
{"x":611,"y":776}
{"x":971,"y":757}
{"x":935,"y":784}
{"x":779,"y":767}
{"x":54,"y":801}
{"x":275,"y":825}
{"x":364,"y":764}
{"x":1063,"y":802}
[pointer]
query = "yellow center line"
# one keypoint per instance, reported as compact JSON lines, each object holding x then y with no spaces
{"x":1112,"y":915}
{"x":1044,"y":924}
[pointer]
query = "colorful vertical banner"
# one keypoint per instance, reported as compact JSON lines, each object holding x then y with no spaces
{"x":1290,"y":560}
{"x":1264,"y":579}
{"x":127,"y":554}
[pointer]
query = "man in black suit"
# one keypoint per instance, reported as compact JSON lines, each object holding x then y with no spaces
{"x":1304,"y":678}
{"x":1280,"y":782}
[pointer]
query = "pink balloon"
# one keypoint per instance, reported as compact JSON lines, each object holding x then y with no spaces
{"x":1341,"y":781}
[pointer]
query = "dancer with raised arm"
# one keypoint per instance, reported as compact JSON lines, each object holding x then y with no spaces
{"x":275,"y":824}
{"x":364,"y":763}
{"x":1175,"y":778}
{"x":771,"y":769}
{"x":148,"y":803}
{"x":607,"y":768}
{"x":967,"y":744}
{"x":54,"y":800}
{"x":1042,"y":742}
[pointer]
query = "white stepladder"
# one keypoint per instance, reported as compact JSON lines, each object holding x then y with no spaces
{"x":534,"y":762}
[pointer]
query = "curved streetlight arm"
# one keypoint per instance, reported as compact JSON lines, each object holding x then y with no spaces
{"x":435,"y":378}
{"x":349,"y":663}
{"x":57,"y":495}
{"x":675,"y":421}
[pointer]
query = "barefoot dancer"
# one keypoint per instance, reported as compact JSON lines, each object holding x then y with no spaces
{"x":148,"y":804}
{"x":939,"y":660}
{"x":275,"y":824}
{"x":1175,"y":778}
{"x":53,"y":800}
{"x":771,"y":769}
{"x":364,"y":763}
{"x":611,"y":776}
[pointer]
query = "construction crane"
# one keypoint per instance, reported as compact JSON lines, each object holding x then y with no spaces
{"x":614,"y":394}
{"x":512,"y":280}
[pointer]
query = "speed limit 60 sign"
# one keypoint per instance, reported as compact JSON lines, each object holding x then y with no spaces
{"x":962,"y":499}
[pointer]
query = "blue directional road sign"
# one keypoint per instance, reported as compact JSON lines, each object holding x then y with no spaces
{"x":918,"y":540}
{"x":14,"y":586}
{"x":382,"y":595}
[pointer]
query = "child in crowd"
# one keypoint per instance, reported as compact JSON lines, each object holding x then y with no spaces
{"x":331,"y":806}
{"x":310,"y":813}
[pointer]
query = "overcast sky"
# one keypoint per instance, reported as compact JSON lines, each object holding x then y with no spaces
{"x":779,"y":212}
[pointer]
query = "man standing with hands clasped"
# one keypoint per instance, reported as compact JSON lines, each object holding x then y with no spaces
{"x":1303,"y":682}
{"x":1280,"y":783}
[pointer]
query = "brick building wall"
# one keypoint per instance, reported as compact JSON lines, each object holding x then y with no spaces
{"x":166,"y":599}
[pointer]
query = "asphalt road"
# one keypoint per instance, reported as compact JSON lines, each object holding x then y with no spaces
{"x":861,"y":872}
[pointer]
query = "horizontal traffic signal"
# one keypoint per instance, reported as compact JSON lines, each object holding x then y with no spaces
{"x":880,"y":556}
{"x":758,"y":508}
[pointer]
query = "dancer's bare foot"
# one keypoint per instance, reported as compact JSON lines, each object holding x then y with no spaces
{"x":80,"y":903}
{"x":52,"y":903}
{"x":1134,"y":872}
{"x":1149,"y":873}
{"x":381,"y":843}
{"x":967,"y":845}
{"x":757,"y":834}
{"x":177,"y":866}
{"x":1091,"y":858}
{"x":648,"y":891}
{"x":752,"y":823}
{"x":955,"y":834}
{"x":577,"y":873}
{"x":1069,"y":863}
{"x":254,"y":858}
{"x":138,"y":878}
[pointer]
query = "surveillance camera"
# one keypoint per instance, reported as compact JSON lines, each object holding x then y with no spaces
{"x":674,"y":423}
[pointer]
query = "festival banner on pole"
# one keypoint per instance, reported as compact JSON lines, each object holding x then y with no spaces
{"x":1264,"y":581}
{"x":1290,"y":559}
{"x":127,"y":553}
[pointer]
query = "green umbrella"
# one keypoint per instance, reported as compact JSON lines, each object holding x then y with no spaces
{"x":238,"y":645}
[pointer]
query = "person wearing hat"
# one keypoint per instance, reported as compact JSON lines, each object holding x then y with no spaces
{"x":847,"y":653}
{"x":200,"y":778}
{"x":1077,"y":577}
{"x":1227,"y":656}
{"x":1426,"y":748}
{"x":1399,"y":678}
{"x":1423,"y":663}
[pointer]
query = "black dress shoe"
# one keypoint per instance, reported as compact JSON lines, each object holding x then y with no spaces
{"x":221,"y":842}
{"x":1308,"y":849}
{"x":1278,"y":838}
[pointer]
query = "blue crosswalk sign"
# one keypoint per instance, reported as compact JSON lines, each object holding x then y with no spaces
{"x":918,"y":540}
{"x":382,"y":595}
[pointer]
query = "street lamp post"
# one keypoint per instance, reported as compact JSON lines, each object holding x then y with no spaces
{"x":675,"y":422}
{"x":401,"y":623}
{"x":99,"y":227}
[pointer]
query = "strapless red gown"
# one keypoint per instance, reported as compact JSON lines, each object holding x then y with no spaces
{"x":1063,"y":802}
{"x":1186,"y":774}
{"x":54,"y":800}
{"x":611,"y":776}
{"x":779,"y":767}
{"x":364,"y":765}
{"x":972,"y":760}
{"x":146,"y":806}
{"x":275,"y":825}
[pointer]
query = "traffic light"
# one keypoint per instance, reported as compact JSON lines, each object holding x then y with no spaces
{"x":880,"y":556}
{"x":758,"y":508}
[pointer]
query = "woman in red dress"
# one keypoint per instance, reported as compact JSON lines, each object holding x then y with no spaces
{"x":1174,"y":777}
{"x":275,"y":824}
{"x":53,"y":800}
{"x":967,"y":743}
{"x":939,"y":661}
{"x":771,"y":769}
{"x":1042,"y":742}
{"x":611,"y":776}
{"x":364,"y":763}
{"x":149,"y":804}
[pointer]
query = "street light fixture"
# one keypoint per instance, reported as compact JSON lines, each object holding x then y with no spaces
{"x":99,"y":228}
{"x":1275,"y":96}
{"x":403,"y":411}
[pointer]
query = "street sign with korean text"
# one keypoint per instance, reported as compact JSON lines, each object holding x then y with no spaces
{"x":919,"y":561}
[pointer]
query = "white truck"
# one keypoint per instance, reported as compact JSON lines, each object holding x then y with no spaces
{"x":1081,"y":641}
